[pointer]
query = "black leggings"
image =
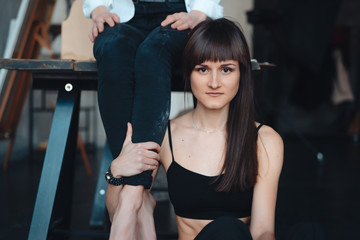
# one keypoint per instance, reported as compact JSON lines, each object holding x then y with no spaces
{"x":229,"y":228}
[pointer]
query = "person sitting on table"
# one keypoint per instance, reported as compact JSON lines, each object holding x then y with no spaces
{"x":222,"y":166}
{"x":136,"y":44}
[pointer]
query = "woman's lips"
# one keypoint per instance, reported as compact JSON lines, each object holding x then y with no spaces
{"x":214,"y":94}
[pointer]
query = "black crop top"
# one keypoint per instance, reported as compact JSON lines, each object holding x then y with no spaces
{"x":194,"y":195}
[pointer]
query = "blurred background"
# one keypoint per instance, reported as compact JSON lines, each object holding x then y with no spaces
{"x":309,"y":95}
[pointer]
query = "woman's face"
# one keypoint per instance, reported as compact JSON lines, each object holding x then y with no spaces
{"x":215,"y":84}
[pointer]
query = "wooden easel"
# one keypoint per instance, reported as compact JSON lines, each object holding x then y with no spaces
{"x":17,"y":84}
{"x":34,"y":36}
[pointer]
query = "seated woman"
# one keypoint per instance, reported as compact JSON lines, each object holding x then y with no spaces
{"x":222,"y":166}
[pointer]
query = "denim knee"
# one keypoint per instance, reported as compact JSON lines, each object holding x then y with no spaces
{"x":120,"y":41}
{"x":163,"y":42}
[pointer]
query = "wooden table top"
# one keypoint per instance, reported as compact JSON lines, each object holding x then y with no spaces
{"x":72,"y":65}
{"x":48,"y":65}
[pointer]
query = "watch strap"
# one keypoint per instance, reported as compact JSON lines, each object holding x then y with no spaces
{"x":113,"y":180}
{"x":144,"y":179}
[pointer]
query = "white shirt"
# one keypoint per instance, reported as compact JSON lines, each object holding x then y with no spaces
{"x":125,"y":9}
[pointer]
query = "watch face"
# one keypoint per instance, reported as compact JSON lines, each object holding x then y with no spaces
{"x":112,"y":180}
{"x":107,"y":176}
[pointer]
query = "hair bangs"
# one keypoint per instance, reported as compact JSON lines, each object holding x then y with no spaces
{"x":212,"y":48}
{"x":215,"y":51}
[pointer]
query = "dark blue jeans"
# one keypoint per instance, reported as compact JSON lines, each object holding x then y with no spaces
{"x":135,"y":62}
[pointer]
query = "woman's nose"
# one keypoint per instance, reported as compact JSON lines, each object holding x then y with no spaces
{"x":214,"y":81}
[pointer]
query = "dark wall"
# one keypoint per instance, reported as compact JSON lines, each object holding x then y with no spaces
{"x":299,"y":36}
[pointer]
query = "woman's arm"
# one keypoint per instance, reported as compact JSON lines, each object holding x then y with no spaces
{"x":133,"y":159}
{"x":270,"y":158}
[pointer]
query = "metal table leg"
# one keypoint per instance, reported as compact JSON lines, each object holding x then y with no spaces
{"x":54,"y":196}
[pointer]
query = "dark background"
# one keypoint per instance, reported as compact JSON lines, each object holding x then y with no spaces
{"x":298,"y":36}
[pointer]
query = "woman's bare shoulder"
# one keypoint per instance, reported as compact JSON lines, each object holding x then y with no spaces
{"x":270,"y":149}
{"x":267,"y":133}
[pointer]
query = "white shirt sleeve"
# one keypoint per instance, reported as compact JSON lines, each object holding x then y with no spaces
{"x":123,"y":8}
{"x":211,"y":8}
{"x":90,"y":5}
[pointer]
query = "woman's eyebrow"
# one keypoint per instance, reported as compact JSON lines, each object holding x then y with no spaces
{"x":228,"y":64}
{"x":222,"y":65}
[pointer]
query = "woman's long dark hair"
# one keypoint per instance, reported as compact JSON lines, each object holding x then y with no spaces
{"x":220,"y":40}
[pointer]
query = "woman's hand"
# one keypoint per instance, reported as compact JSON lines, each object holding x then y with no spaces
{"x":135,"y":158}
{"x":182,"y":21}
{"x":100,"y":16}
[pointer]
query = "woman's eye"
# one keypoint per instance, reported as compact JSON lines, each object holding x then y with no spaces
{"x":202,"y":70}
{"x":226,"y":70}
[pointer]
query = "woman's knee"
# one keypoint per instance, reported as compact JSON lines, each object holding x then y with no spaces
{"x":120,"y":41}
{"x":162,"y":45}
{"x":226,"y":227}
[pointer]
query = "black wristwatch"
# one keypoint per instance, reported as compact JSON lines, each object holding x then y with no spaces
{"x":113,"y":180}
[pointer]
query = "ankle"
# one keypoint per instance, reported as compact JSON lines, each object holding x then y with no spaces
{"x":131,"y":198}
